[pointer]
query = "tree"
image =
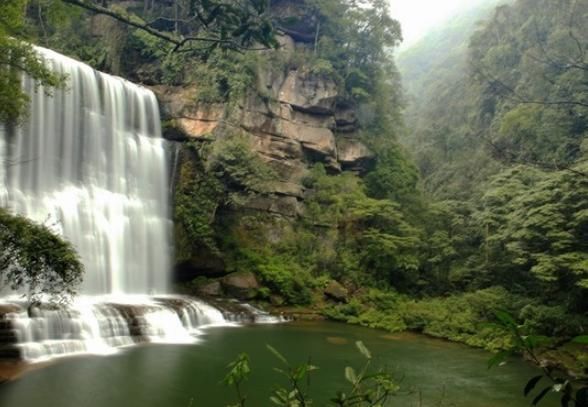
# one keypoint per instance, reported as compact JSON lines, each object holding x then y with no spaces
{"x":353,"y":38}
{"x":17,"y":57}
{"x":531,"y":62}
{"x":535,"y":229}
{"x":35,"y":260}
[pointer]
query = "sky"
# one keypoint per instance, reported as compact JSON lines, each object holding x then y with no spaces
{"x":419,"y":16}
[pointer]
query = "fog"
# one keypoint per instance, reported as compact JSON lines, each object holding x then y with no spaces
{"x":419,"y":16}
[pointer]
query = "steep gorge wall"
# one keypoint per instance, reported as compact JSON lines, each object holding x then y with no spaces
{"x":301,"y":119}
{"x":293,"y":119}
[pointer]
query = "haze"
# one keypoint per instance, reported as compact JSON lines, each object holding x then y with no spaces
{"x":419,"y":16}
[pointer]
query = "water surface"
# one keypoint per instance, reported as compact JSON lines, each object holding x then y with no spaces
{"x":438,"y":372}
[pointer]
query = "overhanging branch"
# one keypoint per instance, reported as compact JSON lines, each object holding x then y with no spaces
{"x":178,"y":42}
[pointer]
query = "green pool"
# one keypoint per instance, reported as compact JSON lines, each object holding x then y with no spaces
{"x":437,"y":372}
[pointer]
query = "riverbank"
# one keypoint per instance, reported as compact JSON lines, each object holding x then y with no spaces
{"x":570,"y":358}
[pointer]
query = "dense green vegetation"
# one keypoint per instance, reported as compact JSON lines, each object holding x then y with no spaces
{"x":492,"y":214}
{"x":497,"y":127}
{"x":482,"y":232}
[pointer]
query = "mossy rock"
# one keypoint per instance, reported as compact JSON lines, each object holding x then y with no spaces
{"x":336,"y":291}
{"x":242,"y":285}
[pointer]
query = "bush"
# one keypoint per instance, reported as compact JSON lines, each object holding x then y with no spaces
{"x":280,"y":275}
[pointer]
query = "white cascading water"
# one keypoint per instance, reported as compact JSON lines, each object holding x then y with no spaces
{"x":89,"y":162}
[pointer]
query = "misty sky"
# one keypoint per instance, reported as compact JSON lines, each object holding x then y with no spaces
{"x":418,"y":16}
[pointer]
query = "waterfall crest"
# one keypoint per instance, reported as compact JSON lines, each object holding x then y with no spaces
{"x":89,"y":161}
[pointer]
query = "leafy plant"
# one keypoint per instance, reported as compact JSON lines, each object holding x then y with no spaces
{"x":368,"y":388}
{"x":573,"y":392}
{"x":239,"y":371}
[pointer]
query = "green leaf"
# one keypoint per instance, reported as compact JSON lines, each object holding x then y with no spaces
{"x":537,"y":399}
{"x":505,"y":318}
{"x":277,"y":354}
{"x":275,"y":400}
{"x":363,"y":350}
{"x":498,"y":359}
{"x":582,"y":397}
{"x":350,"y":375}
{"x":533,"y":341}
{"x":531,"y":384}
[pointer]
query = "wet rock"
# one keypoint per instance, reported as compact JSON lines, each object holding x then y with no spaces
{"x":242,"y":285}
{"x":9,"y":309}
{"x":210,"y":289}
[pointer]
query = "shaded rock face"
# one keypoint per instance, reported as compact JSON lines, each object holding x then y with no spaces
{"x":242,"y":285}
{"x":202,"y":262}
{"x":354,"y":155}
{"x":211,"y":289}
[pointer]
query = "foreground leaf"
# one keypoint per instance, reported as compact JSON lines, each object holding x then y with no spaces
{"x":531,"y":384}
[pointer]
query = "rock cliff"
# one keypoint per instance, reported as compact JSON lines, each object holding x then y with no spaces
{"x":293,"y":119}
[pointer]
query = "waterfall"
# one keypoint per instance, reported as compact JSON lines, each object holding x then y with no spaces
{"x":94,"y":326}
{"x":89,"y":161}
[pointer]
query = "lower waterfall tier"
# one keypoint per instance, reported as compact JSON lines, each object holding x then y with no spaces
{"x":101,"y":325}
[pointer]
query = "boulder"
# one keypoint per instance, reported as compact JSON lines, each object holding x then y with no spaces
{"x":345,"y":116}
{"x":346,"y":119}
{"x":318,"y":140}
{"x":242,"y":285}
{"x":277,"y":300}
{"x":286,"y":112}
{"x":309,"y":93}
{"x":277,"y":148}
{"x":354,"y":155}
{"x":210,"y":289}
{"x":336,"y":291}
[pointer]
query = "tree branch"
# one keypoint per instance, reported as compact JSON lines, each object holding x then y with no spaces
{"x":126,"y":20}
{"x":178,"y":42}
